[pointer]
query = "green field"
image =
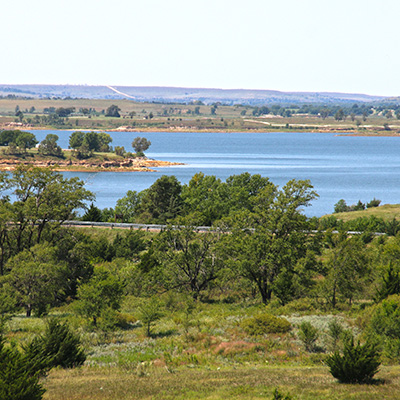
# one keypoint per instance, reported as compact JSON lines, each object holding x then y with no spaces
{"x":183,"y":117}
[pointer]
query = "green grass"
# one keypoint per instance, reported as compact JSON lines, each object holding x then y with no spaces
{"x":154,"y":382}
{"x":205,"y":354}
{"x":386,"y":212}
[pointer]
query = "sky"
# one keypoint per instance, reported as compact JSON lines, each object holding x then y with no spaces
{"x":349,"y":46}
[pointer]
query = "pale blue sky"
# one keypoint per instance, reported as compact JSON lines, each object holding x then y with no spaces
{"x":287,"y":45}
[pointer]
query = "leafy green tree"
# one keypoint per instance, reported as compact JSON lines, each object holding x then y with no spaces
{"x":64,"y":112}
{"x":341,"y":206}
{"x":346,"y":268}
{"x":36,"y":277}
{"x":339,"y":115}
{"x":76,"y":139}
{"x":129,"y":245}
{"x":140,"y":144}
{"x":190,"y":260}
{"x":161,"y":202}
{"x":268,"y":245}
{"x":113,"y":111}
{"x":127,"y":206}
{"x":26,"y":140}
{"x":207,"y":199}
{"x":49,"y":146}
{"x":119,"y":150}
{"x":44,"y":199}
{"x":104,"y":142}
{"x":102,"y":292}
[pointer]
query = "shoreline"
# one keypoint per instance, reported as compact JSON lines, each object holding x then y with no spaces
{"x":277,"y":129}
{"x":128,"y":165}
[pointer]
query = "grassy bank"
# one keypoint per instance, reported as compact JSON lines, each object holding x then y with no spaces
{"x":387,"y":212}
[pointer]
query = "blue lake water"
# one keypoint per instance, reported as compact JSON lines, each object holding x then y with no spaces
{"x":339,"y":167}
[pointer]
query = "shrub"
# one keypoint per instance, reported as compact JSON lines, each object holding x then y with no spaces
{"x":17,"y":381}
{"x":308,"y":334}
{"x":374,"y":203}
{"x":265,"y":323}
{"x":57,"y":347}
{"x":150,"y":311}
{"x":358,"y":364}
{"x":277,"y":395}
{"x":385,"y":325}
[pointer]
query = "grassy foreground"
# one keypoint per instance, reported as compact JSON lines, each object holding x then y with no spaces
{"x":203,"y":355}
{"x":241,"y":383}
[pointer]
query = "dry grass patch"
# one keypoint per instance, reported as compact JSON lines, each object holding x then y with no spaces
{"x":244,"y":383}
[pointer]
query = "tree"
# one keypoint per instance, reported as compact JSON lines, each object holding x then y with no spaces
{"x":26,"y":140}
{"x":339,"y":115}
{"x":341,"y":206}
{"x":161,"y":202}
{"x":17,"y":382}
{"x":113,"y":111}
{"x":92,"y":214}
{"x":49,"y":146}
{"x":271,"y":246}
{"x":57,"y":347}
{"x":127,"y":206}
{"x":140,"y":144}
{"x":346,"y":266}
{"x":44,"y":198}
{"x":190,"y":259}
{"x":37,"y":278}
{"x":103,"y":292}
{"x":150,"y":311}
{"x":76,"y":140}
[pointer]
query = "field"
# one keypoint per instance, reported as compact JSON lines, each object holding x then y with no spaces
{"x":181,"y":117}
{"x":204,"y":354}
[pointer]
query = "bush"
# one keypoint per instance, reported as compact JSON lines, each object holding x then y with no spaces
{"x":358,"y":364}
{"x":57,"y":347}
{"x":385,"y":326}
{"x":266,"y":323}
{"x":17,"y":380}
{"x":308,"y":334}
{"x":277,"y":395}
{"x":374,"y":203}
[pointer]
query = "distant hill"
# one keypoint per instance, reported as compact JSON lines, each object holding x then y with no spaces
{"x":186,"y":95}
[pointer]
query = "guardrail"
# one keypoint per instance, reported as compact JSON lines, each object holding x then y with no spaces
{"x":145,"y":227}
{"x":157,"y":227}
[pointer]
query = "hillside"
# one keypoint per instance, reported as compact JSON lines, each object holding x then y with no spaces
{"x":185,"y":95}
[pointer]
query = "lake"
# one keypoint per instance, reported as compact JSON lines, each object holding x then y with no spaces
{"x":339,"y":167}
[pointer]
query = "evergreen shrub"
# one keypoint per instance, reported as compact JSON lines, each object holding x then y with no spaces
{"x":358,"y":363}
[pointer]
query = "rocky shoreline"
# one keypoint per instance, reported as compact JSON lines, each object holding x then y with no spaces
{"x":126,"y":165}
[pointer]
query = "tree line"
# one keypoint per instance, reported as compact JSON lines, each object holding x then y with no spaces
{"x":260,"y":245}
{"x":84,"y":144}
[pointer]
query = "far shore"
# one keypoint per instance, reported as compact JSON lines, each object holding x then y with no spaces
{"x":369,"y":131}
